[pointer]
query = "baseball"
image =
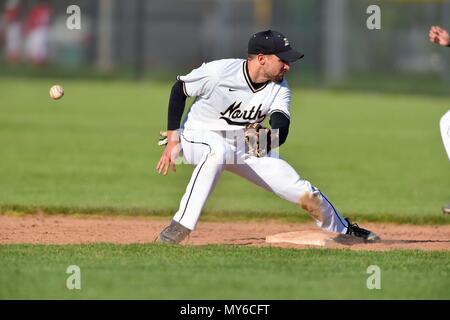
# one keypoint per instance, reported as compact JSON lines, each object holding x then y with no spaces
{"x":56,"y":92}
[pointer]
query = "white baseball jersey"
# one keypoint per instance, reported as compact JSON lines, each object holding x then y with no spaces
{"x":226,"y":99}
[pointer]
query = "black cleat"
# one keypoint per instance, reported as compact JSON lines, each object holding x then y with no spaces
{"x":366,"y":235}
{"x":174,"y":233}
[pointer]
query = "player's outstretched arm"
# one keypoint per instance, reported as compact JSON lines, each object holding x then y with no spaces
{"x":439,"y":36}
{"x":177,"y":102}
{"x":170,"y":153}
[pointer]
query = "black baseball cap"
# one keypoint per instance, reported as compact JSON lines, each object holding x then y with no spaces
{"x":273,"y":42}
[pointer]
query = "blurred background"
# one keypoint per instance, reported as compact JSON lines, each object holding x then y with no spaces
{"x":160,"y":38}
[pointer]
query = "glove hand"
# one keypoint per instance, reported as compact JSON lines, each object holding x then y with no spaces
{"x":257,"y":140}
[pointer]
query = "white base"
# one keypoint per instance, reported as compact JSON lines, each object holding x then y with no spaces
{"x":310,"y":238}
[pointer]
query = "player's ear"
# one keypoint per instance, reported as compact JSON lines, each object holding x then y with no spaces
{"x":261,"y":58}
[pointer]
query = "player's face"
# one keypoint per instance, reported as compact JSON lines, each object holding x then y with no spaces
{"x":275,"y":68}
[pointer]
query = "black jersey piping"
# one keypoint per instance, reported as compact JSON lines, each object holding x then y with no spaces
{"x":247,"y":79}
{"x":334,"y":210}
{"x":184,"y":86}
{"x":280,"y":111}
{"x":196,"y":176}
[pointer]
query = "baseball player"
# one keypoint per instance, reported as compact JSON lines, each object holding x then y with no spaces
{"x":233,"y":97}
{"x":441,"y":37}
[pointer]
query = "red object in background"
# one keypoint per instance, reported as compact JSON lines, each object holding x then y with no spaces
{"x":13,"y":31}
{"x":37,"y":33}
{"x":12,"y":13}
{"x":38,"y":17}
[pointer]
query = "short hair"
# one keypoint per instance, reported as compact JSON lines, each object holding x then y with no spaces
{"x":251,"y":56}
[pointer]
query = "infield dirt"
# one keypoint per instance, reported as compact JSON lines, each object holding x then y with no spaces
{"x":63,"y":229}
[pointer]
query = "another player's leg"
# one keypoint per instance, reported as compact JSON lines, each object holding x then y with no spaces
{"x":277,"y":176}
{"x":207,"y":151}
{"x":444,"y":125}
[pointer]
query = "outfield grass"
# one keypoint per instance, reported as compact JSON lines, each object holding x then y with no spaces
{"x":218,"y":272}
{"x":375,"y":155}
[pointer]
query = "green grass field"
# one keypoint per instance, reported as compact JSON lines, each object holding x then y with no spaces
{"x":218,"y":272}
{"x":378,"y":157}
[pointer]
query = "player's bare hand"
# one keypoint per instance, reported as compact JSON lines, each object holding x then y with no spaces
{"x":439,"y":36}
{"x":169,"y":155}
{"x":168,"y":158}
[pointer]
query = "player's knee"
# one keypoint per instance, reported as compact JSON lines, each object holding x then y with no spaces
{"x":311,"y":201}
{"x":192,"y":156}
{"x":217,"y":156}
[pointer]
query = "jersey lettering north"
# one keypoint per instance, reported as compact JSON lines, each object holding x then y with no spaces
{"x":226,"y":98}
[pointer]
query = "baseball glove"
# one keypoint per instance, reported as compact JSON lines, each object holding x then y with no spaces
{"x":257,"y":140}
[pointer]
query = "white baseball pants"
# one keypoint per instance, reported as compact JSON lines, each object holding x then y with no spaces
{"x":212,"y":153}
